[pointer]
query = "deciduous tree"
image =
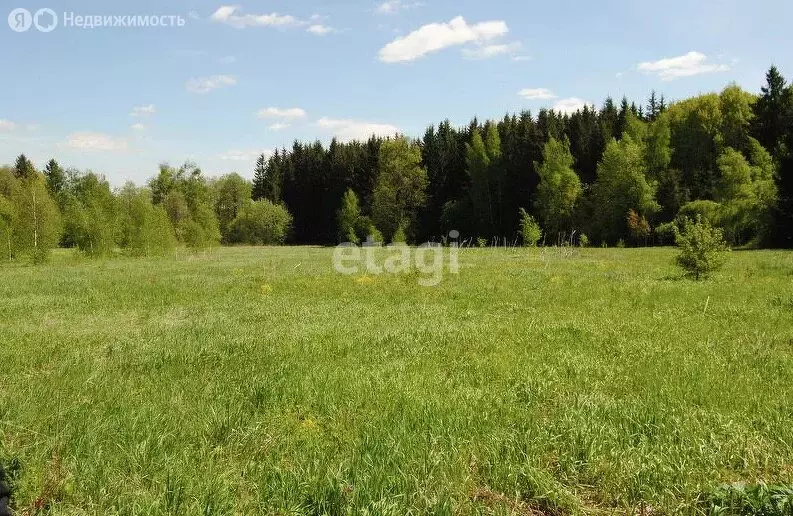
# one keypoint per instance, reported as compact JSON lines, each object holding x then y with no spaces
{"x":401,"y":186}
{"x":559,"y":189}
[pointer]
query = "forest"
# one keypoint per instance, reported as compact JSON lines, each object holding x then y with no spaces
{"x":623,"y":175}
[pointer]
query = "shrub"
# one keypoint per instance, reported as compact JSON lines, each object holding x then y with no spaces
{"x":708,"y":210}
{"x":363,"y":228}
{"x":399,"y":237}
{"x":261,"y":223}
{"x":530,"y":230}
{"x":583,"y":240}
{"x":702,"y":248}
{"x":665,"y":233}
{"x":372,"y":234}
{"x":638,"y":226}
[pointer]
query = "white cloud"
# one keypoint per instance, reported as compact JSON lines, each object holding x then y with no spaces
{"x":7,"y":125}
{"x":571,"y":105}
{"x":232,"y":15}
{"x":243,"y":155}
{"x":346,"y":130}
{"x":279,"y":126}
{"x":488,"y":51}
{"x":288,"y":114}
{"x":521,"y":58}
{"x":227,"y":60}
{"x":693,"y":63}
{"x":320,"y":30}
{"x":202,"y":85}
{"x":437,"y":36}
{"x":88,"y":141}
{"x":143,"y":110}
{"x":537,"y":94}
{"x":394,"y":6}
{"x":138,"y":127}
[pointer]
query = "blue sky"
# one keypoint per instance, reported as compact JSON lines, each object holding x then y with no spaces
{"x":239,"y":79}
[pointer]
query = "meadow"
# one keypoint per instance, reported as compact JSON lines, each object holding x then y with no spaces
{"x":259,"y":380}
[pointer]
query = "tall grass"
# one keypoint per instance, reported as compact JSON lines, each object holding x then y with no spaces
{"x":260,"y":381}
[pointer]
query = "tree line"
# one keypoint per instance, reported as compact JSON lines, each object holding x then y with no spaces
{"x":621,"y":174}
{"x":40,"y":210}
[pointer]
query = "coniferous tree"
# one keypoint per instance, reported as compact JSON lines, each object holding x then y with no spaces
{"x":652,"y":107}
{"x":773,"y":113}
{"x":56,"y":178}
{"x":259,"y":178}
{"x":24,"y":168}
{"x":609,"y":119}
{"x":773,"y":128}
{"x":622,"y":118}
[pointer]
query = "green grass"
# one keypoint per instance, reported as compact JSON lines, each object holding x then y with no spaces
{"x":259,"y":381}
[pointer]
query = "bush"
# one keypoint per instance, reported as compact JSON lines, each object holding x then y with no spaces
{"x":583,"y":240}
{"x":702,"y":248}
{"x":708,"y":210}
{"x":375,"y":235}
{"x":665,"y":233}
{"x":399,"y":237}
{"x":638,"y":226}
{"x":530,"y":230}
{"x":261,"y":223}
{"x":368,"y":232}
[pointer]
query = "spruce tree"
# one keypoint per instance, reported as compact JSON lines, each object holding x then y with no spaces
{"x":24,"y":168}
{"x":56,"y":177}
{"x":259,"y":178}
{"x":773,"y":113}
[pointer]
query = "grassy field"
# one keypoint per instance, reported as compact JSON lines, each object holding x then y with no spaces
{"x":261,"y":381}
